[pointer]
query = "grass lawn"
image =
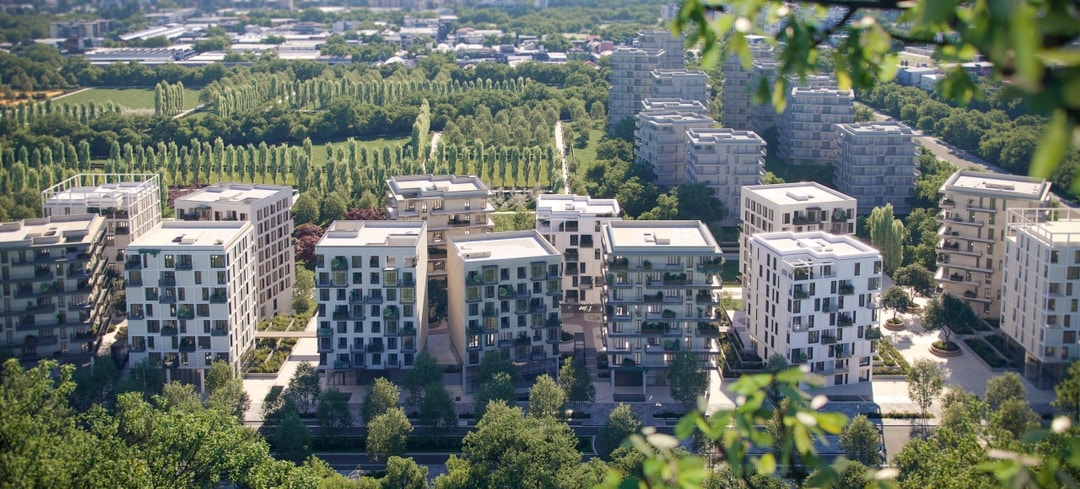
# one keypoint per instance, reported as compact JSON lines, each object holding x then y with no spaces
{"x":587,"y":156}
{"x":505,"y":222}
{"x":318,"y":151}
{"x":793,"y":173}
{"x":132,"y":98}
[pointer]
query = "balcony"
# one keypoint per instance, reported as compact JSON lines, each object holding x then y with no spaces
{"x":219,"y":332}
{"x":704,"y":297}
{"x":522,"y":341}
{"x":800,"y":294}
{"x":708,"y":330}
{"x":340,"y":315}
{"x":168,"y":331}
{"x":184,"y":265}
{"x":844,"y":320}
{"x":711,"y":265}
{"x":187,"y":345}
{"x":339,"y":263}
{"x":618,"y":264}
{"x":847,"y":289}
{"x":356,"y":298}
{"x":506,"y":292}
{"x":218,"y":298}
{"x":654,"y":298}
{"x":828,"y":339}
{"x":873,"y":333}
{"x":947,"y":204}
{"x":391,"y":312}
{"x":375,"y":348}
{"x":505,"y":343}
{"x":490,"y":312}
{"x":800,"y":219}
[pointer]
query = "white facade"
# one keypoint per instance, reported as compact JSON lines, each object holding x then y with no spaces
{"x":725,"y":160}
{"x":672,"y":49}
{"x":741,"y":82}
{"x":660,"y":298}
{"x":267,"y":208}
{"x":681,"y":84}
{"x":504,"y":291}
{"x":876,"y":165}
{"x":812,"y":298}
{"x":571,"y":223}
{"x":675,"y":105}
{"x":1041,"y":291}
{"x":631,"y":82}
{"x":191,"y":296}
{"x":972,"y":233}
{"x":660,"y":141}
{"x":371,"y":281}
{"x":806,"y":131}
{"x":131,"y":204}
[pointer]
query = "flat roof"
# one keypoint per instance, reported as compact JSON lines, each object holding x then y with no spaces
{"x":70,"y":229}
{"x":722,"y":135}
{"x":502,"y":246}
{"x":880,"y":127}
{"x":817,"y":244}
{"x":997,"y":185}
{"x":193,"y":234}
{"x":231,"y":193}
{"x":679,"y":104}
{"x":556,"y":204}
{"x":373,"y":233}
{"x":675,"y":117}
{"x":797,"y":193}
{"x":659,"y":236}
{"x":1052,"y":227}
{"x":434,"y":186}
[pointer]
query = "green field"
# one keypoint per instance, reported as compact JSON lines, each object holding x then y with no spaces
{"x":318,"y":151}
{"x":132,"y":98}
{"x":587,"y":156}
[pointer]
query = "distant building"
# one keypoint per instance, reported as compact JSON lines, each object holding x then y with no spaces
{"x":740,"y":84}
{"x":681,"y":84}
{"x":660,"y":141}
{"x":571,"y":223}
{"x":631,"y":82}
{"x":671,"y":47}
{"x":806,"y":131}
{"x":674,"y":105}
{"x":725,"y":161}
{"x":81,"y":28}
{"x":876,"y":165}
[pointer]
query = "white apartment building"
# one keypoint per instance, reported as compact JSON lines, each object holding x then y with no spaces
{"x":672,"y":49}
{"x":813,"y":298}
{"x":806,"y":131}
{"x":267,"y":208}
{"x":674,"y":105}
{"x":972,"y":233}
{"x":451,"y":205}
{"x":725,"y":160}
{"x":571,"y":223}
{"x":660,"y":298}
{"x":660,"y":141}
{"x":371,"y":278}
{"x":631,"y":81}
{"x":876,"y":165}
{"x":55,"y":299}
{"x":191,"y":296}
{"x":681,"y":84}
{"x":1041,"y":290}
{"x":504,"y":291}
{"x":740,"y":83}
{"x":130,"y":202}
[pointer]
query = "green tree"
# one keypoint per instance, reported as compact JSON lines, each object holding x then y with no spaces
{"x":944,"y":312}
{"x":887,"y":235}
{"x":1003,"y":387}
{"x":500,"y":388}
{"x":424,"y":372}
{"x":306,"y":209}
{"x":621,"y":423}
{"x":575,"y":382}
{"x":404,"y":473}
{"x":1015,"y":416}
{"x":388,"y":434}
{"x":380,"y":398}
{"x":493,"y":363}
{"x":333,"y":412}
{"x":897,"y":299}
{"x":292,"y":438}
{"x":304,"y":388}
{"x":926,"y":380}
{"x":860,"y":441}
{"x":1067,"y":393}
{"x":225,"y":390}
{"x":545,"y":397}
{"x":437,"y":408}
{"x":178,"y":396}
{"x":687,"y":379}
{"x":916,"y":276}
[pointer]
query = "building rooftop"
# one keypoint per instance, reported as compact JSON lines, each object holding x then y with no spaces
{"x":99,"y":190}
{"x":881,"y":127}
{"x":680,"y":104}
{"x":819,"y":90}
{"x":374,"y":233}
{"x":193,"y":234}
{"x":502,"y":246}
{"x":1063,"y":230}
{"x":997,"y":185}
{"x":658,"y":236}
{"x":797,"y":193}
{"x":818,"y":245}
{"x":678,"y":73}
{"x":436,"y":186}
{"x":70,"y":229}
{"x":675,"y":117}
{"x":562,"y":204}
{"x":715,"y":135}
{"x":231,"y":193}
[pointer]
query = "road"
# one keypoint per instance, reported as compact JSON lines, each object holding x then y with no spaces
{"x":562,"y":154}
{"x":896,"y":437}
{"x":435,"y":135}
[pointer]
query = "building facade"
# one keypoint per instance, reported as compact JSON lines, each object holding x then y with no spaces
{"x":571,"y":223}
{"x":876,"y":164}
{"x":191,"y":297}
{"x":660,"y":141}
{"x":813,"y":299}
{"x":631,"y":82}
{"x":806,"y":131}
{"x":725,"y":160}
{"x":741,"y":82}
{"x":972,"y":233}
{"x":504,"y":291}
{"x":371,"y":278}
{"x":672,"y":48}
{"x":660,"y":297}
{"x":55,"y":299}
{"x":681,"y":84}
{"x":268,"y":209}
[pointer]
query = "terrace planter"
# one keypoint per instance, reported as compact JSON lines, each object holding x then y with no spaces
{"x":947,"y":350}
{"x":898,"y":325}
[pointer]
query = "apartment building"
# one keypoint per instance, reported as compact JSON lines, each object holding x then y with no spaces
{"x":806,"y":131}
{"x":191,"y":296}
{"x":451,"y":205}
{"x":130,"y":203}
{"x":660,"y":298}
{"x":740,"y":83}
{"x":631,"y":81}
{"x":55,"y":301}
{"x":674,"y":105}
{"x":813,"y":299}
{"x":725,"y":160}
{"x":876,"y":165}
{"x":371,"y":278}
{"x":681,"y":84}
{"x":267,"y":208}
{"x":1040,"y":295}
{"x":972,"y":233}
{"x":672,"y":49}
{"x":660,"y":141}
{"x":504,"y":291}
{"x":571,"y":223}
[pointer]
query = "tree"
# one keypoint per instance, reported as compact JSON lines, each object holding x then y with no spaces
{"x":1067,"y":393}
{"x":687,"y":379}
{"x":1015,"y":416}
{"x":495,"y":362}
{"x":915,"y":276}
{"x":1003,"y":387}
{"x":545,"y":397}
{"x":621,"y":423}
{"x":437,"y":408}
{"x":304,"y":389}
{"x":380,"y":398}
{"x":926,"y":379}
{"x":179,"y":396}
{"x":887,"y":235}
{"x":388,"y":434}
{"x":944,"y":312}
{"x":226,"y":390}
{"x":575,"y":382}
{"x":306,"y":209}
{"x":860,"y":441}
{"x":404,"y":473}
{"x":333,"y":412}
{"x":500,"y":388}
{"x":897,"y":299}
{"x":292,"y":439}
{"x":424,"y":372}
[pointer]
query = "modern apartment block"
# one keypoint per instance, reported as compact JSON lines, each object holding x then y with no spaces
{"x":973,"y":224}
{"x":451,"y":205}
{"x":813,"y":298}
{"x":571,"y":223}
{"x":631,"y":81}
{"x":130,"y":203}
{"x":672,"y":49}
{"x":806,"y":131}
{"x":191,"y":296}
{"x":267,"y":208}
{"x":875,"y":163}
{"x":55,"y":299}
{"x":660,"y":298}
{"x":504,"y":291}
{"x":371,"y":278}
{"x":725,"y":160}
{"x":740,"y":84}
{"x":660,"y":141}
{"x":681,"y":84}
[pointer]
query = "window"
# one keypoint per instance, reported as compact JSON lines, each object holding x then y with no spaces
{"x":170,"y":261}
{"x":1074,"y":273}
{"x":217,"y":261}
